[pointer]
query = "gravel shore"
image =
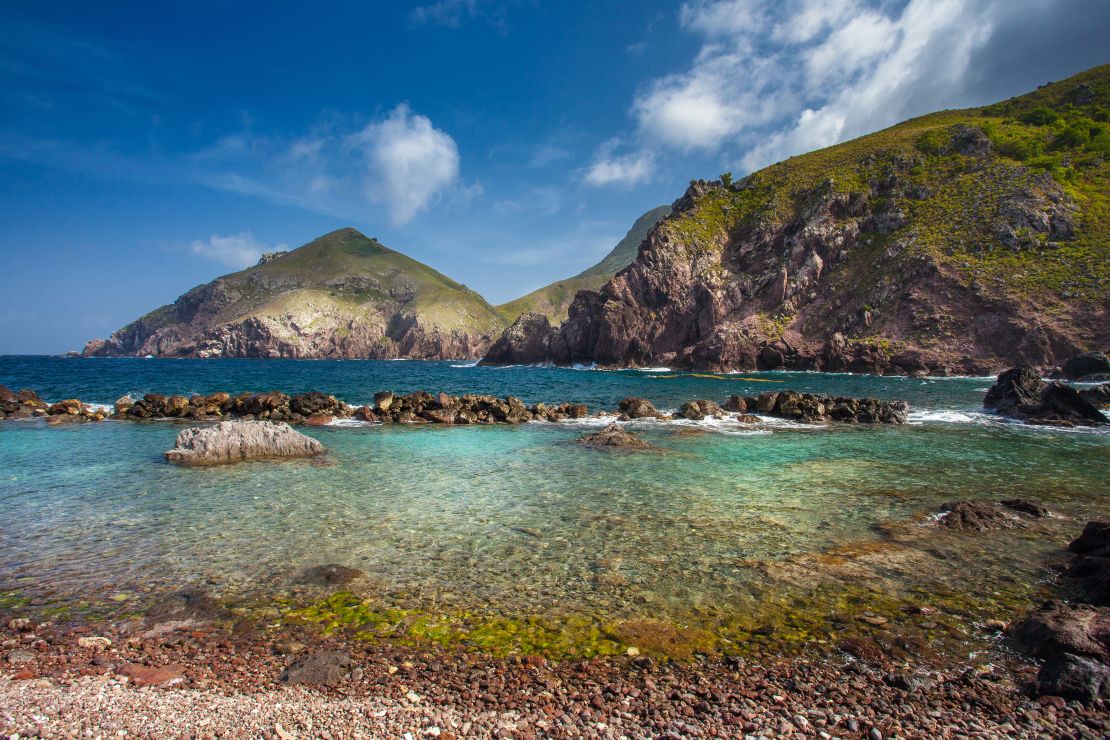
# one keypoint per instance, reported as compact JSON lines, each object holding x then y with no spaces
{"x":206,"y":683}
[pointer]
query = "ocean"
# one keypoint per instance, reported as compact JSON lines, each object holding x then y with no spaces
{"x":728,"y":527}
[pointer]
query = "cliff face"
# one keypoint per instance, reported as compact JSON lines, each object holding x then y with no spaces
{"x":341,"y":296}
{"x":961,"y":242}
{"x":554,"y":300}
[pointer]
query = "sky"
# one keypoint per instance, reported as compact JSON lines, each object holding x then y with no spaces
{"x":146,"y":148}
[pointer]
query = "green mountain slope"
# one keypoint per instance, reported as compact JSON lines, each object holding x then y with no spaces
{"x":342,"y":295}
{"x":553,"y":300}
{"x":958,"y":242}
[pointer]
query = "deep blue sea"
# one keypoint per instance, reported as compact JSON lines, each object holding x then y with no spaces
{"x":519,"y":520}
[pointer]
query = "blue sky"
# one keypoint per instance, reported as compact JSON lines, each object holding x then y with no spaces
{"x":149,"y":147}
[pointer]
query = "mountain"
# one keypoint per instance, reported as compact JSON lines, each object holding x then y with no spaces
{"x":960,"y":242}
{"x":341,"y":296}
{"x":554,"y":300}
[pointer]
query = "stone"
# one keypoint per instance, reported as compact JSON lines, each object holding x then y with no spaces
{"x":319,"y":420}
{"x":95,"y":643}
{"x":323,"y":668}
{"x":1095,"y":540}
{"x":1020,"y":393}
{"x":638,"y":408}
{"x":20,"y":656}
{"x":976,"y":516}
{"x":236,"y":441}
{"x":383,"y":400}
{"x":1057,"y":628}
{"x":142,"y":675}
{"x":1098,"y":396}
{"x":1086,"y":364}
{"x":191,"y":604}
{"x":1074,"y":677}
{"x":1032,"y":508}
{"x":613,"y":436}
{"x":332,"y":574}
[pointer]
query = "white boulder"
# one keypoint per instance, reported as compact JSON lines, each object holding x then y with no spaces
{"x":235,"y":441}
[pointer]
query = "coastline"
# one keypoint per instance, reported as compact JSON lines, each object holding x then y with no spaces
{"x":213,"y":683}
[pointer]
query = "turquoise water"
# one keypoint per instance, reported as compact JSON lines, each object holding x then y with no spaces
{"x":520,"y":520}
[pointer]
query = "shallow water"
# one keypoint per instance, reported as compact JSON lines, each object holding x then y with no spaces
{"x":520,"y":520}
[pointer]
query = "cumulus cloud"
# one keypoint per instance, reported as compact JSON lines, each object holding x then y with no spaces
{"x":609,"y":168}
{"x":409,"y":162}
{"x":236,"y":250}
{"x":775,"y":78}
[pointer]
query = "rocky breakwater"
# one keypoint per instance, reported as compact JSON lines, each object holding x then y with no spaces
{"x":274,"y":406}
{"x":422,"y":407}
{"x":237,"y":441}
{"x":1073,"y":636}
{"x":26,"y":404}
{"x":1021,"y":394}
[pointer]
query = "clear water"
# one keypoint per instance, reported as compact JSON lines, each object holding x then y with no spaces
{"x":521,"y":521}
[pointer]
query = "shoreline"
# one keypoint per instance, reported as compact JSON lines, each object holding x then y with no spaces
{"x":207,"y":682}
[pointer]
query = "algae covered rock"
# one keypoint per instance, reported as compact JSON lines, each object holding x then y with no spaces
{"x":236,"y":441}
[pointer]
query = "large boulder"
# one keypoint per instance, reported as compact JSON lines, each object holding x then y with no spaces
{"x":1057,"y":628}
{"x":1095,"y":540}
{"x":638,"y":408}
{"x":1074,"y":677}
{"x":1020,"y":393}
{"x":1086,"y":365}
{"x":236,"y":441}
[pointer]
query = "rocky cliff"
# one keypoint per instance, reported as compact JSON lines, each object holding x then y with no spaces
{"x":341,"y":296}
{"x":553,"y":301}
{"x":960,"y":242}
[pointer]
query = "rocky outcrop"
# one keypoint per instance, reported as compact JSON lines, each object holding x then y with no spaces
{"x":1074,"y":638}
{"x":23,"y":404}
{"x":612,"y":437}
{"x":815,"y":407}
{"x":1020,"y":393}
{"x":236,"y":441}
{"x":341,"y":296}
{"x":862,"y":258}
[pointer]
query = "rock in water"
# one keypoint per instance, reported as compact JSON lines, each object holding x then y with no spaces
{"x":638,"y":408}
{"x":1020,"y":393}
{"x":614,"y":436}
{"x":235,"y":441}
{"x":1086,"y":365}
{"x":325,"y":668}
{"x":976,"y":516}
{"x":332,"y":574}
{"x":1032,"y":508}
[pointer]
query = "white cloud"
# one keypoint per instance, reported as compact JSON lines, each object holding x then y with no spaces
{"x":409,"y":162}
{"x":775,"y":78}
{"x":237,"y":250}
{"x":628,"y":169}
{"x":449,"y":13}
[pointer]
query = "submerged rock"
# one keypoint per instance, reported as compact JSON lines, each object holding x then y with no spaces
{"x":235,"y":441}
{"x":325,"y":668}
{"x":976,"y":516}
{"x":191,"y":604}
{"x":613,"y":436}
{"x":331,"y":574}
{"x":1032,"y":508}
